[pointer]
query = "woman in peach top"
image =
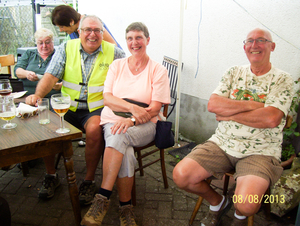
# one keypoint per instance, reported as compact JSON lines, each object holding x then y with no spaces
{"x":143,"y":80}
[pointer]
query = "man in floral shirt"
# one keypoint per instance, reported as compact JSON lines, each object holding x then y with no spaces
{"x":251,"y":104}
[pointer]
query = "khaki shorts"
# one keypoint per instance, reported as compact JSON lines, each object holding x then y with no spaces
{"x":217,"y":162}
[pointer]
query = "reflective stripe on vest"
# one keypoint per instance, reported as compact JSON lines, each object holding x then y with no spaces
{"x":71,"y":85}
{"x":95,"y":89}
{"x":96,"y":104}
{"x":73,"y":76}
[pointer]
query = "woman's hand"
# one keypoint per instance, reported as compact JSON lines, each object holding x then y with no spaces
{"x":141,"y":114}
{"x":121,"y":126}
{"x":31,"y":76}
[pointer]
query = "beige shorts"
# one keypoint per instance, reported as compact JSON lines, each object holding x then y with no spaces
{"x":217,"y":162}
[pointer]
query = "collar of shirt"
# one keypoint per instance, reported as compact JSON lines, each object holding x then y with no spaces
{"x":85,"y":54}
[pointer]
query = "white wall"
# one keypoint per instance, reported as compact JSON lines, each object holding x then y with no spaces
{"x":218,"y":41}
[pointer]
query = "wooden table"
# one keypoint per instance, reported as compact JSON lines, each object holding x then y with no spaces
{"x":30,"y":140}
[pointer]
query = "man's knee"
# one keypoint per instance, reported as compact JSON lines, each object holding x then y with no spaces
{"x":182,"y":175}
{"x":179,"y":177}
{"x":93,"y":129}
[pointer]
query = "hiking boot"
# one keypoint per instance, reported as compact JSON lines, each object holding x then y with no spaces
{"x":126,"y":216}
{"x":50,"y":183}
{"x":87,"y":191}
{"x":213,"y":218}
{"x":238,"y":222}
{"x":97,"y":211}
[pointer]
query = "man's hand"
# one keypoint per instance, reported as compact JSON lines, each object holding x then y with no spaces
{"x":57,"y":86}
{"x":31,"y":100}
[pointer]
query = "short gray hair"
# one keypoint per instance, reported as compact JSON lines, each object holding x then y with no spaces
{"x":137,"y":26}
{"x":43,"y":33}
{"x":92,"y":17}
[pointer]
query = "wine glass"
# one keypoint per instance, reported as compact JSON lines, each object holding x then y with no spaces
{"x":5,"y":87}
{"x":60,"y":103}
{"x":7,"y":111}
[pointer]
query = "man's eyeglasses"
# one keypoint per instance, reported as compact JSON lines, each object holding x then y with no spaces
{"x":45,"y":42}
{"x":259,"y":41}
{"x":88,"y":31}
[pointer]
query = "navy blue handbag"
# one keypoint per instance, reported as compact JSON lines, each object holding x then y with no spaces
{"x":164,"y":137}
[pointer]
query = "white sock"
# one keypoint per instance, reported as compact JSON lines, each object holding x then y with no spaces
{"x":53,"y":175}
{"x":239,"y":216}
{"x":217,"y":207}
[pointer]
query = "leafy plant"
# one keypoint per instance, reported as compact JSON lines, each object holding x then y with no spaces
{"x":290,"y":132}
{"x":177,"y":158}
{"x":287,"y":152}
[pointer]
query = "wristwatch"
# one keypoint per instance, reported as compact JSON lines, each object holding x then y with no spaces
{"x":133,"y":120}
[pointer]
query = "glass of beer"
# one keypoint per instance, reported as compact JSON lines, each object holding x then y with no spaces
{"x":7,"y":111}
{"x":60,"y":103}
{"x":5,"y":87}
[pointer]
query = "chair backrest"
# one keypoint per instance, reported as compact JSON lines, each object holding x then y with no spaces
{"x":7,"y":61}
{"x":17,"y":85}
{"x":172,"y":67}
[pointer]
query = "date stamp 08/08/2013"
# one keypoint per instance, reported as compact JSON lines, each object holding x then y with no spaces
{"x":256,"y":199}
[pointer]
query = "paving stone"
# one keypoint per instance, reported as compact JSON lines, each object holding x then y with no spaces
{"x":156,"y":206}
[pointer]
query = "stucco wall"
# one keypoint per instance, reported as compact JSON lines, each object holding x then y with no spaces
{"x":212,"y":42}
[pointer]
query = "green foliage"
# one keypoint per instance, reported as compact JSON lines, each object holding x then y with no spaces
{"x":177,"y":158}
{"x":287,"y":152}
{"x":289,"y":133}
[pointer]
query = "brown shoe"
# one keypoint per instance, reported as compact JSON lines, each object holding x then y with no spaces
{"x":127,"y":216}
{"x":97,"y":211}
{"x":213,"y":218}
{"x":238,"y":222}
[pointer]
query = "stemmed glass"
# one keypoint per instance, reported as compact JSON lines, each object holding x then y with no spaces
{"x":5,"y":87}
{"x":7,"y":112}
{"x":60,"y":103}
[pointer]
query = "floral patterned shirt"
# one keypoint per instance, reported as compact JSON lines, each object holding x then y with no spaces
{"x":276,"y":89}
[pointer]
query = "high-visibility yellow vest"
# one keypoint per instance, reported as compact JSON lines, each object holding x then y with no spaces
{"x":72,"y":79}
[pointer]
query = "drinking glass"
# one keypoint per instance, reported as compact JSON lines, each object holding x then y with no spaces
{"x":60,"y":103}
{"x":7,"y":112}
{"x":5,"y":87}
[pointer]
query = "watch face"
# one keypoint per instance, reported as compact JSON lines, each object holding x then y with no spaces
{"x":133,"y":120}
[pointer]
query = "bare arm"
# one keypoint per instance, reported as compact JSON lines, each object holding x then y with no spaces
{"x":30,"y":75}
{"x":224,"y":106}
{"x":268,"y":117}
{"x":117,"y":104}
{"x":107,"y":37}
{"x":44,"y":86}
{"x":142,"y":115}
